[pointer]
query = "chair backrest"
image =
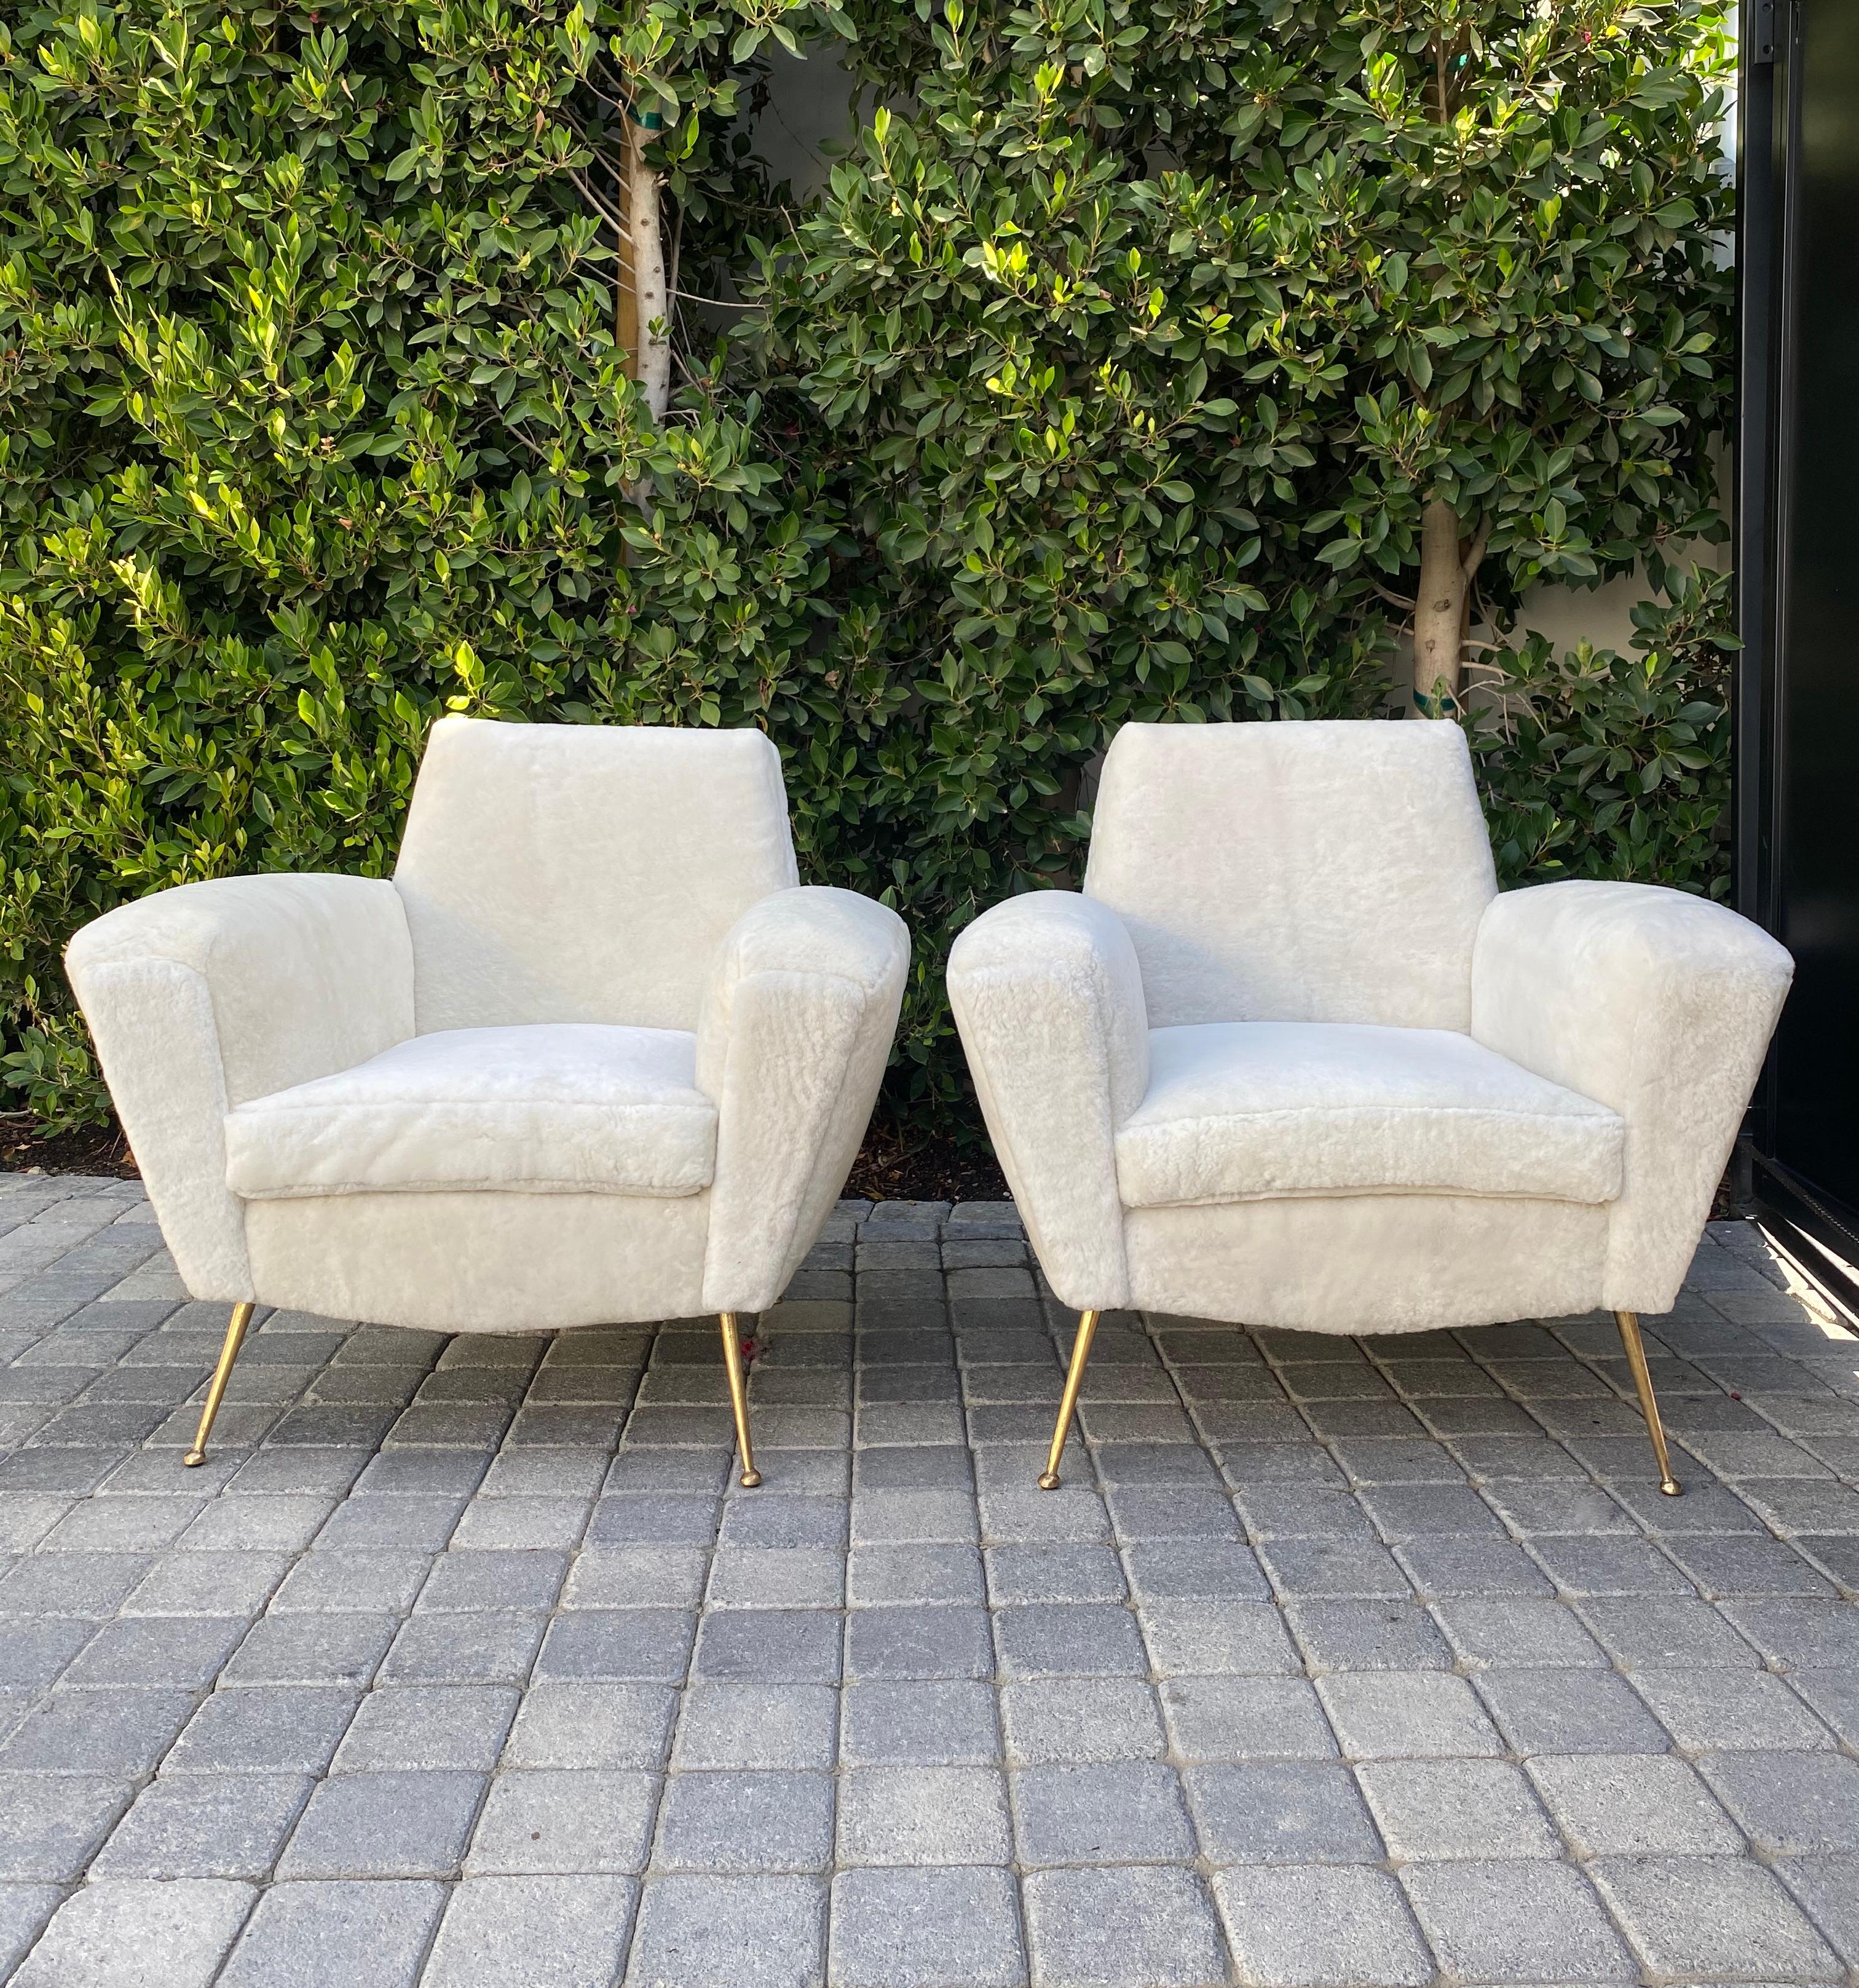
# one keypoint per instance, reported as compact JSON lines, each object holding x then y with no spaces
{"x":584,"y":873}
{"x":1321,"y":871}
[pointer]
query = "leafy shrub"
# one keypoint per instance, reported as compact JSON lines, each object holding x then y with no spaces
{"x":1595,"y":764}
{"x":315,"y":424}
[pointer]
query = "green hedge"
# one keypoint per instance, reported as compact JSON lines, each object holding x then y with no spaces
{"x":1082,"y":395}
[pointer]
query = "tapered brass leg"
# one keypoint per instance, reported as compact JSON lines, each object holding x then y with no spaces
{"x":1068,"y":1402}
{"x":1649,"y":1407}
{"x":236,"y":1338}
{"x":739,"y":1397}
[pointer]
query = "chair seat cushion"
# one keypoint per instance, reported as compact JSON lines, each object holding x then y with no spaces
{"x":558,"y":1107}
{"x":1253,"y":1110}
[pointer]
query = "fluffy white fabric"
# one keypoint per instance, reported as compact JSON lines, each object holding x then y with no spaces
{"x":517,"y":1012}
{"x":1049,"y":1000}
{"x":1657,"y":1004}
{"x":471,"y":1261}
{"x":1239,"y":1110}
{"x":1365,"y":1262}
{"x":554,"y":1107}
{"x":307,"y":975}
{"x":796,"y":1028}
{"x":1598,"y":1050}
{"x":202,"y":997}
{"x":584,"y":873}
{"x":1315,"y":872}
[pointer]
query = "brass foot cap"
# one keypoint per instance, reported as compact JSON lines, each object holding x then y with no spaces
{"x":193,"y":1457}
{"x":1672,"y":1488}
{"x":1049,"y":1480}
{"x":750,"y":1478}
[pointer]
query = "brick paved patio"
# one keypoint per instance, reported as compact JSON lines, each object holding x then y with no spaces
{"x":465,"y":1661}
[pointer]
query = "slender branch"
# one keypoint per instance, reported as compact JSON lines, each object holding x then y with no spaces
{"x":600,"y":206}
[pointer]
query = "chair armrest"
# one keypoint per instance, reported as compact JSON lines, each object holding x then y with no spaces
{"x":1656,"y":1004}
{"x":796,"y":1029}
{"x":1048,"y":998}
{"x":203,"y":996}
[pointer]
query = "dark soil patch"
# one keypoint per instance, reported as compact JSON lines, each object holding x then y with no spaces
{"x":101,"y":1150}
{"x":915,"y":1167}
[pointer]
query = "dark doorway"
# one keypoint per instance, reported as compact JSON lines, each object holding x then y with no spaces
{"x":1798,"y":760}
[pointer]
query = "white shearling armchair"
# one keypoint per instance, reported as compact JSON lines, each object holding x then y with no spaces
{"x":592,"y":1056}
{"x":1290,"y":1059}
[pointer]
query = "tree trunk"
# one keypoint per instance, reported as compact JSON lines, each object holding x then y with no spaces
{"x":645,"y":296}
{"x":1440,"y":611}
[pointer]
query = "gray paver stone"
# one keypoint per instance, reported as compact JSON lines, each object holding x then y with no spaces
{"x":387,"y":1825}
{"x":1319,"y":1926}
{"x":24,"y":1909}
{"x":533,"y":1932}
{"x":751,"y":1932}
{"x":1140,"y":1928}
{"x":595,"y":1725}
{"x":1414,"y":1714}
{"x":1570,"y":1712}
{"x":50,"y":1825}
{"x":1516,"y":1921}
{"x":1432,"y":1810}
{"x":1724,"y":1709}
{"x":310,"y":1936}
{"x":205,"y":1825}
{"x":1281,"y":1813}
{"x":1829,"y":1888}
{"x":1246,"y":1718}
{"x":757,"y":1819}
{"x":1633,"y":1805}
{"x":928,"y":1928}
{"x":1791,"y":1804}
{"x":1078,"y":1719}
{"x":922,"y":1815}
{"x":1712,"y":1918}
{"x":427,"y":1726}
{"x":753,"y":1725}
{"x":124,"y":1932}
{"x":560,"y":1822}
{"x":937,"y":1722}
{"x":1114,"y":1812}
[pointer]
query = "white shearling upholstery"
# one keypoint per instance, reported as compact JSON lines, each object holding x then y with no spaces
{"x":1291,"y":1061}
{"x":1370,"y":1263}
{"x":1049,"y":1000}
{"x":1247,"y":1110}
{"x":592,"y":1055}
{"x":201,"y":997}
{"x":1657,"y":1004}
{"x":557,"y":1107}
{"x":469,"y":1262}
{"x":796,"y":1029}
{"x":1328,"y":871}
{"x":584,"y":873}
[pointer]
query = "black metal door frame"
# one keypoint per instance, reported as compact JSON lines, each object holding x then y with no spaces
{"x":1810,"y":1223}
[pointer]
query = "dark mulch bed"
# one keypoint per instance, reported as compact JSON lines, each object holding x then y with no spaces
{"x":917,"y":1167}
{"x":889,"y":1168}
{"x":101,"y":1150}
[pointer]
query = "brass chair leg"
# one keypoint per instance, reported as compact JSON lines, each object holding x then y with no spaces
{"x":236,"y":1338}
{"x":1649,"y":1407}
{"x":739,"y":1397}
{"x":1068,"y":1402}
